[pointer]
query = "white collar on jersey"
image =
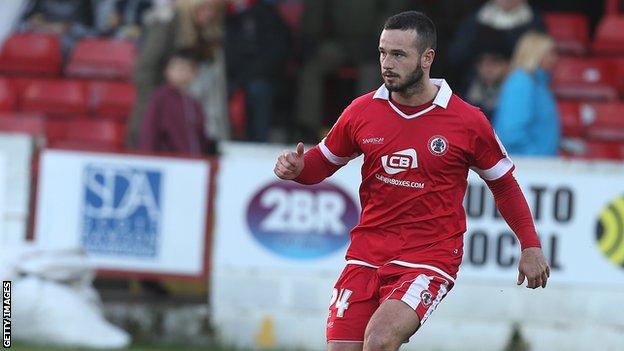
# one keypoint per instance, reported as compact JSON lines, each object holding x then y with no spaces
{"x":442,"y":98}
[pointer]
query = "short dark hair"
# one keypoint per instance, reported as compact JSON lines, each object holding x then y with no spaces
{"x":417,"y":21}
{"x":189,"y":55}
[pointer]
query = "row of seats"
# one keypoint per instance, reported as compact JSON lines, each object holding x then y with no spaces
{"x":591,"y":127}
{"x":96,"y":134}
{"x":571,"y":32}
{"x":594,"y":78}
{"x":589,"y":84}
{"x":67,"y":97}
{"x":594,"y":150}
{"x":36,"y":54}
{"x":593,"y":120}
{"x":49,"y":98}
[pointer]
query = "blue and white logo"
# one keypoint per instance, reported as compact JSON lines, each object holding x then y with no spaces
{"x":302,"y":222}
{"x":122,"y":211}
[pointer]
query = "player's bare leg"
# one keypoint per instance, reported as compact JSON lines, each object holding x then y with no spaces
{"x":392,"y":324}
{"x":344,"y":346}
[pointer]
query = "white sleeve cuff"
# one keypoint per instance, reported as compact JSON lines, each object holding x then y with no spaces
{"x":337,"y":160}
{"x":498,"y":170}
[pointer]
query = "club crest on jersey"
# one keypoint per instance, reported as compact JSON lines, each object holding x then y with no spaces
{"x":399,"y":161}
{"x":426,"y":297}
{"x":438,"y":145}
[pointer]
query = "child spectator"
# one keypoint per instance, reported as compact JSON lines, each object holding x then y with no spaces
{"x":174,"y":120}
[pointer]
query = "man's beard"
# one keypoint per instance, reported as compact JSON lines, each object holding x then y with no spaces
{"x":413,"y":82}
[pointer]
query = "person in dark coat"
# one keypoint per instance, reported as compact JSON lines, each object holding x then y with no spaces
{"x":338,"y":34}
{"x":511,"y":18}
{"x":256,"y":49}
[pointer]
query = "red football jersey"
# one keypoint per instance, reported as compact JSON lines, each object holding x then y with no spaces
{"x":415,"y":171}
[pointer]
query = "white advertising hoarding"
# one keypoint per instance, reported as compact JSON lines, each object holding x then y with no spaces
{"x":279,"y":246}
{"x":18,"y":150}
{"x":578,"y":209}
{"x":130,"y":213}
{"x":3,"y":200}
{"x":264,"y":222}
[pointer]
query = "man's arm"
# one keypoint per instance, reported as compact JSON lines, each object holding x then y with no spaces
{"x":308,"y":168}
{"x":513,"y":207}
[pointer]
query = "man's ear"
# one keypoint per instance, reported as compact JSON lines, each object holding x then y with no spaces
{"x":427,"y":58}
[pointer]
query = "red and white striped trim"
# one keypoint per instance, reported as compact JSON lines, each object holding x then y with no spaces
{"x":337,"y":160}
{"x":440,"y":295}
{"x":361,"y":263}
{"x":355,"y":341}
{"x":421,"y":112}
{"x":498,"y":170}
{"x":424,"y":266}
{"x":416,"y":286}
{"x":406,"y":264}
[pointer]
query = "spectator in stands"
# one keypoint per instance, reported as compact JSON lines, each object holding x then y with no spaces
{"x":71,"y":19}
{"x":336,"y":34}
{"x":174,"y":120}
{"x":526,"y":119}
{"x":185,"y":24}
{"x":120,"y":18}
{"x":512,"y":18}
{"x":492,"y":64}
{"x":256,"y":49}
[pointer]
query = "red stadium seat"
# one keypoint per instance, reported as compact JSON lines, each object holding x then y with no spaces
{"x":33,"y":124}
{"x":54,"y":97}
{"x":85,"y":133}
{"x":570,"y":31}
{"x":237,"y":110}
{"x":571,"y":125}
{"x":579,"y":78}
{"x":111,"y":99}
{"x":603,"y":120}
{"x":291,"y":12}
{"x":31,"y":54}
{"x":603,"y":150}
{"x":8,"y":95}
{"x":593,"y":120}
{"x":609,"y":37}
{"x":102,"y":59}
{"x":618,"y":62}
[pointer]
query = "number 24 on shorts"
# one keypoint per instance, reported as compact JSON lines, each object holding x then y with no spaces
{"x":341,"y":301}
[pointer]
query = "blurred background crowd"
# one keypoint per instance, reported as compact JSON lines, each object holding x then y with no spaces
{"x":182,"y":75}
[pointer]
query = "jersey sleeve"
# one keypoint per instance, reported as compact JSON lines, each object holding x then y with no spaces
{"x":339,"y":146}
{"x":489,"y":158}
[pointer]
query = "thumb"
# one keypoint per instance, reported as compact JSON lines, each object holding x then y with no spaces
{"x":300,"y":149}
{"x":521,"y":277}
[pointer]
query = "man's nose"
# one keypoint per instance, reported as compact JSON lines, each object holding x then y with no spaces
{"x":387,"y":63}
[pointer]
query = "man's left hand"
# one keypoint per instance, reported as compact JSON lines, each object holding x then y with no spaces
{"x":533,"y":267}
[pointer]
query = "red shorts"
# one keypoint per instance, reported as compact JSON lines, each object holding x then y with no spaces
{"x":361,"y":289}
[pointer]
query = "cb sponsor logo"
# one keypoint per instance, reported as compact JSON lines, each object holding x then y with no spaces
{"x":399,"y":161}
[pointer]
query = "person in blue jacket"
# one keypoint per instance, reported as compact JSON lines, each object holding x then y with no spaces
{"x":526,"y":118}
